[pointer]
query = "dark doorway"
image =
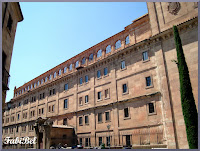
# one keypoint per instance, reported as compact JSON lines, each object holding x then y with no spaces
{"x":128,"y":140}
{"x":40,"y":140}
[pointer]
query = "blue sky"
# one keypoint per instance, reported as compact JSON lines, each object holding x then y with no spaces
{"x":53,"y":32}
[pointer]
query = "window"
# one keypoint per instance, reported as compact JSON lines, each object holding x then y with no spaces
{"x":24,"y":129}
{"x":148,"y":81}
{"x":127,"y":40}
{"x":86,"y":120}
{"x":99,"y":53}
{"x":126,"y":112}
{"x":39,"y":111}
{"x":34,"y":86}
{"x":83,"y":61}
{"x":106,"y":93}
{"x":105,"y":71}
{"x":10,"y":22}
{"x":66,"y":87}
{"x":99,"y":95}
{"x":124,"y":87}
{"x":19,"y":104}
{"x":98,"y":73}
{"x":91,"y":57}
{"x":38,"y":83}
{"x":54,"y":75}
{"x":151,"y":108}
{"x":87,"y":142}
{"x":41,"y":83}
{"x":65,"y":69}
{"x":80,"y":101}
{"x":145,"y":56}
{"x":46,"y":79}
{"x":49,"y":108}
{"x":31,"y":128}
{"x":65,"y":103}
{"x":99,"y":117}
{"x":108,"y":49}
{"x":80,"y":120}
{"x":123,"y":65}
{"x":86,"y":99}
{"x":50,"y":92}
{"x":108,"y":141}
{"x":77,"y":64}
{"x":80,"y":141}
{"x":65,"y":121}
{"x":107,"y":116}
{"x":128,"y":140}
{"x":100,"y":141}
{"x":86,"y":78}
{"x":59,"y":73}
{"x":70,"y":67}
{"x":53,"y":108}
{"x":54,"y":91}
{"x":43,"y":96}
{"x":81,"y":81}
{"x":42,"y":110}
{"x":118,"y":44}
{"x":17,"y":129}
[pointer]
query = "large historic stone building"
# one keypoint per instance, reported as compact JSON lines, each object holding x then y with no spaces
{"x":11,"y":15}
{"x":123,"y":91}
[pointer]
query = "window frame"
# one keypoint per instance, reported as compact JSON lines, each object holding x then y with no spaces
{"x":64,"y":103}
{"x":123,"y":66}
{"x":129,"y":116}
{"x":154,"y":105}
{"x":127,"y":37}
{"x":87,"y":78}
{"x":147,"y":51}
{"x":107,"y":120}
{"x":117,"y":43}
{"x":99,"y":121}
{"x":106,"y":71}
{"x":85,"y":119}
{"x":126,"y":88}
{"x":87,"y":96}
{"x":99,"y":99}
{"x":65,"y":87}
{"x":108,"y":50}
{"x":98,"y":74}
{"x":151,"y":78}
{"x":80,"y":124}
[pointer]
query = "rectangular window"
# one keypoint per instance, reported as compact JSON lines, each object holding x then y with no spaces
{"x":86,"y":120}
{"x":123,"y":65}
{"x":86,"y":142}
{"x":40,"y":96}
{"x":65,"y":103}
{"x":99,"y":95}
{"x":124,"y":87}
{"x":54,"y":91}
{"x":105,"y":71}
{"x":106,"y":93}
{"x":100,"y":141}
{"x":50,"y":92}
{"x":49,"y":108}
{"x":52,"y":108}
{"x":86,"y":78}
{"x":39,"y":111}
{"x":80,"y":101}
{"x":98,"y":73}
{"x":43,"y":96}
{"x":148,"y":81}
{"x":42,"y":110}
{"x":86,"y":99}
{"x":17,"y":129}
{"x":81,"y":81}
{"x":65,"y":121}
{"x":99,"y":117}
{"x":108,"y":141}
{"x":18,"y":116}
{"x":145,"y":56}
{"x":126,"y":112}
{"x":66,"y":87}
{"x":151,"y":108}
{"x":80,"y":120}
{"x":107,"y":116}
{"x":80,"y":141}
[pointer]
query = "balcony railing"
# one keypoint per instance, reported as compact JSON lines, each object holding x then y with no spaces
{"x":5,"y":79}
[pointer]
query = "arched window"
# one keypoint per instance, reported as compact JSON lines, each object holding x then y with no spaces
{"x":77,"y":64}
{"x":50,"y":77}
{"x":38,"y":83}
{"x":42,"y":81}
{"x":99,"y":53}
{"x":108,"y":49}
{"x":91,"y":57}
{"x":34,"y":85}
{"x":83,"y":61}
{"x":54,"y":75}
{"x":118,"y":44}
{"x":65,"y":69}
{"x":127,"y":40}
{"x":59,"y":72}
{"x":31,"y":86}
{"x":46,"y":79}
{"x":70,"y":67}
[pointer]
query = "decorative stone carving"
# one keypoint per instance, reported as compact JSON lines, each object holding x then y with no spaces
{"x":174,"y":7}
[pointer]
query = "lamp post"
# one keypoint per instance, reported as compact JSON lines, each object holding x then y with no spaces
{"x":108,"y":126}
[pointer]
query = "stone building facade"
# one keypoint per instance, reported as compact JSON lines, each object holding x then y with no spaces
{"x":11,"y":15}
{"x":124,"y":91}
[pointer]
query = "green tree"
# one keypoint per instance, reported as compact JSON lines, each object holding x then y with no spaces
{"x":187,"y":99}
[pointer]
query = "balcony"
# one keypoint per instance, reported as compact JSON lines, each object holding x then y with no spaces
{"x":5,"y":79}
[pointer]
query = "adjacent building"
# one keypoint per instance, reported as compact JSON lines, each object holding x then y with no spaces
{"x":11,"y":15}
{"x":124,"y":91}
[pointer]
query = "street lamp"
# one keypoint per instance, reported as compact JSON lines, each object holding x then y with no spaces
{"x":108,"y":126}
